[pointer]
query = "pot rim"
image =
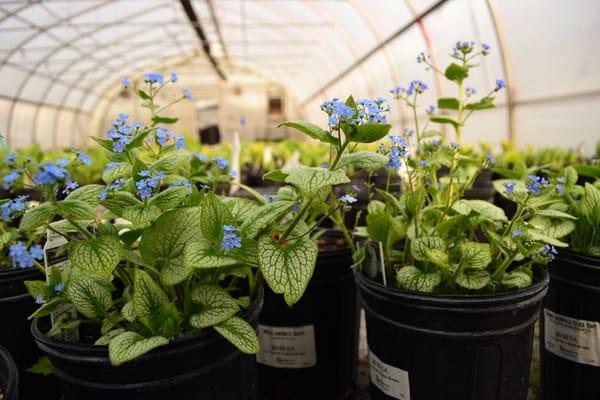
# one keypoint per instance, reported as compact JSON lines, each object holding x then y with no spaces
{"x":12,"y":380}
{"x":379,"y":289}
{"x":78,"y":351}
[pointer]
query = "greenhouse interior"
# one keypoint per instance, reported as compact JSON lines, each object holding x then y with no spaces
{"x":299,"y":199}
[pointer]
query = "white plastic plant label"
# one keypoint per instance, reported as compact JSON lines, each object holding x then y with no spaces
{"x":287,"y":346}
{"x":573,"y":339}
{"x":390,"y":380}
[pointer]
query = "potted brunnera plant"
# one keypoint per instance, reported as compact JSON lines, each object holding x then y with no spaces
{"x":22,"y":253}
{"x":316,"y":340}
{"x":571,"y":319}
{"x":162,"y":283}
{"x":451,"y":287}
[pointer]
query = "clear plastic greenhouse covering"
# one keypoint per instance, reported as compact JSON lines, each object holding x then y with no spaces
{"x":61,"y":61}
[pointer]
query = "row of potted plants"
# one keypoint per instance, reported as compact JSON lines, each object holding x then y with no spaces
{"x":154,"y":281}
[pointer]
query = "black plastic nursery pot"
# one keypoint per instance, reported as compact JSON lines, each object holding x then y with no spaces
{"x":9,"y":376}
{"x":15,"y":306}
{"x":570,"y":334}
{"x":310,"y":351}
{"x":482,"y":189}
{"x":205,"y":367}
{"x":450,"y":347}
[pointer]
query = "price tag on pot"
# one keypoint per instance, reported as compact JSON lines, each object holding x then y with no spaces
{"x":390,"y":380}
{"x":577,"y":340}
{"x":287,"y":347}
{"x":55,"y":256}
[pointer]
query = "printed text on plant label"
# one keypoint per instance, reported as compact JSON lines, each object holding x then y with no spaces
{"x":573,"y":339}
{"x":287,"y":347}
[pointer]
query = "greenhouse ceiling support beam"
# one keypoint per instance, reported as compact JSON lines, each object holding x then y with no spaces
{"x":374,"y":51}
{"x":189,"y":11}
{"x":215,"y":21}
{"x":506,"y":70}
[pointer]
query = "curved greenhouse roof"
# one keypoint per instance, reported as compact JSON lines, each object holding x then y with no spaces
{"x":61,"y":61}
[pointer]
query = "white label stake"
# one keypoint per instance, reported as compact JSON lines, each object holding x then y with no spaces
{"x":390,"y":380}
{"x":287,"y":347}
{"x":577,"y":340}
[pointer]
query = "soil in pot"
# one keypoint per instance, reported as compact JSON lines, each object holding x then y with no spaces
{"x":448,"y":347}
{"x":15,"y":306}
{"x":570,"y":337}
{"x":205,"y":367}
{"x":310,"y":351}
{"x":9,"y":376}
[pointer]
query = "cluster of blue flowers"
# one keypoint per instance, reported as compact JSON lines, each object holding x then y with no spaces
{"x":50,"y":173}
{"x":338,"y":111}
{"x":550,"y":252}
{"x":348,"y":199}
{"x":509,"y":187}
{"x":372,"y":111}
{"x":23,"y":258}
{"x":398,"y":149}
{"x":464,"y":47}
{"x":221,"y":162}
{"x":560,"y":185}
{"x":117,"y":184}
{"x":414,"y":87}
{"x":535,"y":184}
{"x":149,"y":184}
{"x":110,"y":166}
{"x":83,"y":158}
{"x":184,"y":182}
{"x":230,"y":239}
{"x":154,"y":78}
{"x":10,"y":159}
{"x":122,"y":133}
{"x":9,"y":179}
{"x":491,"y":159}
{"x":163,"y":135}
{"x":14,"y":207}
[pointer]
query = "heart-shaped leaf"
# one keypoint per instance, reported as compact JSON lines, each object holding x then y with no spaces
{"x":89,"y":294}
{"x":122,"y":170}
{"x":264,"y":216}
{"x":310,"y":180}
{"x":37,"y":216}
{"x":288,"y":266}
{"x":98,"y":256}
{"x":214,"y":214}
{"x":88,"y":194}
{"x":475,"y":255}
{"x":364,"y":160}
{"x":217,"y":306}
{"x":473,"y":279}
{"x":167,"y":237}
{"x":311,"y":130}
{"x":202,"y":254}
{"x":170,"y":198}
{"x":130,"y":345}
{"x":240,"y":334}
{"x":412,"y":278}
{"x":75,"y":210}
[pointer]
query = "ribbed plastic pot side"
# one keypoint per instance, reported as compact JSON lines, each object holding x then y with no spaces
{"x":9,"y":376}
{"x":15,"y":306}
{"x":430,"y":346}
{"x":205,"y":366}
{"x":328,"y":314}
{"x":570,"y":329}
